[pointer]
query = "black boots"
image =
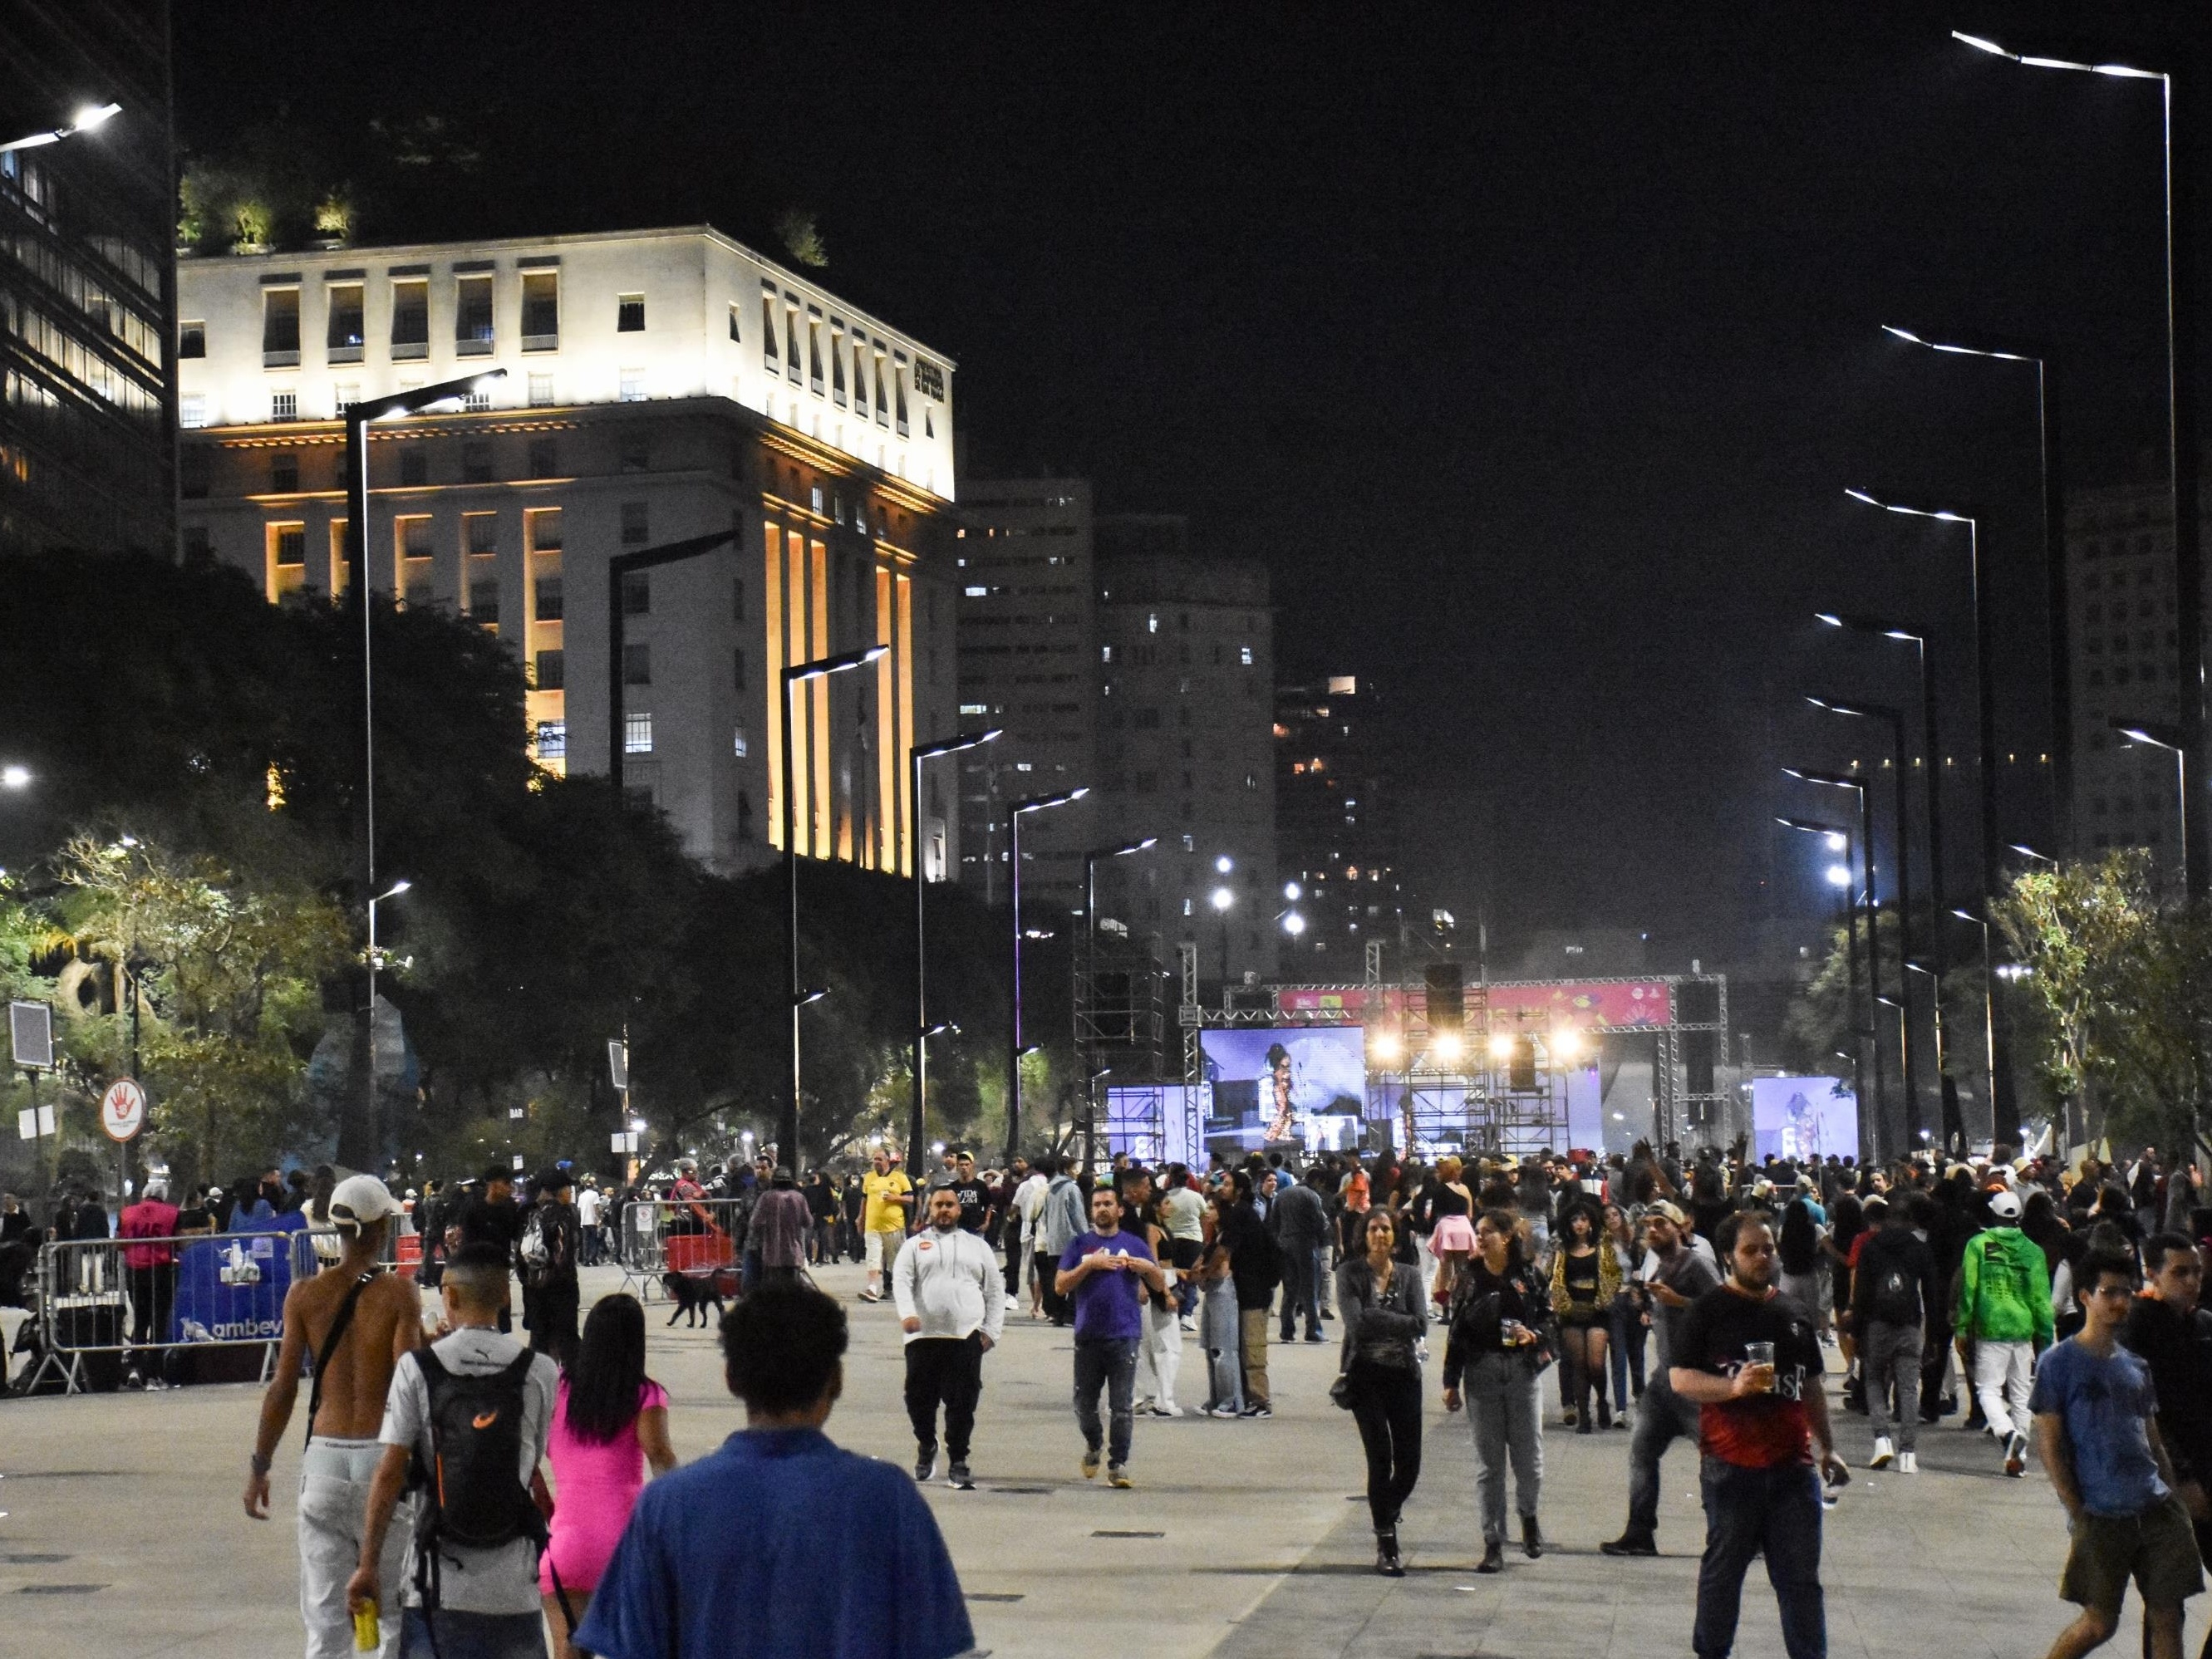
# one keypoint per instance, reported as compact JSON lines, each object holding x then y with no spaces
{"x":1493,"y":1557}
{"x":1604,"y":1412}
{"x":1532,"y":1538}
{"x":1386,"y":1554}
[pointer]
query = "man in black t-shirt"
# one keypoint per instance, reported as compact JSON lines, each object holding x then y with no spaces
{"x":492,"y":1217}
{"x":974,"y":1193}
{"x":1894,"y":1285}
{"x":1748,"y":1357}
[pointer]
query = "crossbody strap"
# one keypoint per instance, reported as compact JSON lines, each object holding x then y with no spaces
{"x":336,"y":1334}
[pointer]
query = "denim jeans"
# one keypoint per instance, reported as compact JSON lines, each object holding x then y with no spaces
{"x":1663,"y":1418}
{"x":1109,"y":1362}
{"x":473,"y":1635}
{"x":1504,"y":1408}
{"x":1891,"y":1354}
{"x":1775,"y":1512}
{"x":1626,"y":1355}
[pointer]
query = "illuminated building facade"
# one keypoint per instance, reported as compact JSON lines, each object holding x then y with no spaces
{"x":87,"y":224}
{"x":660,"y":385}
{"x":1333,"y":832}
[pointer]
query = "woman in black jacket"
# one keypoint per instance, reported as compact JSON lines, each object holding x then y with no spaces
{"x":1383,"y":1311}
{"x":1503,"y":1336}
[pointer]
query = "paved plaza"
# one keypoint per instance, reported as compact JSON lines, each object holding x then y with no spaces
{"x":124,"y":1536}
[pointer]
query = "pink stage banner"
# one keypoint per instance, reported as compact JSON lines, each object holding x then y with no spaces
{"x":1613,"y":1007}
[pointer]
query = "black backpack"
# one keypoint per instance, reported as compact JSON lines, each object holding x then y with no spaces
{"x":471,"y":1495}
{"x":1896,"y":1296}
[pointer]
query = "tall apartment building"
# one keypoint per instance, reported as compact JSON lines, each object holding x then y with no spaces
{"x":2122,"y":627}
{"x":1185,"y":648}
{"x":1028,"y":656}
{"x":87,"y":224}
{"x":660,"y":385}
{"x":1333,"y":829}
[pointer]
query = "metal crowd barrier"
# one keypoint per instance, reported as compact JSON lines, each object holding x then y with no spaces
{"x":660,"y":1236}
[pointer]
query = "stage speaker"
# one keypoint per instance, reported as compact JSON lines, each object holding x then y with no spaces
{"x":1447,"y":1003}
{"x":1521,"y":1065}
{"x":1698,"y":1060}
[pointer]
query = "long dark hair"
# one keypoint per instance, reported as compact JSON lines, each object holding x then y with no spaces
{"x":606,"y":1378}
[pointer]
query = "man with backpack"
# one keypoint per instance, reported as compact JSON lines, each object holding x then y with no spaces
{"x":359,"y":1321}
{"x":2004,"y":1305}
{"x":465,"y":1426}
{"x":551,"y":1242}
{"x":1893,"y":1287}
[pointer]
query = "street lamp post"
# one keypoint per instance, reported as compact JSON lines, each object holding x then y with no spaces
{"x":1990,"y":1026}
{"x":1034,"y":803}
{"x":2054,"y":561}
{"x":394,"y":892}
{"x":1839,"y":839}
{"x":2004,"y":1108}
{"x":1871,"y":911}
{"x":794,"y":677}
{"x":2183,"y":459}
{"x":1946,"y":1086}
{"x":952,"y":746}
{"x":1089,"y":1056}
{"x":1222,"y":900}
{"x":2150,"y":735}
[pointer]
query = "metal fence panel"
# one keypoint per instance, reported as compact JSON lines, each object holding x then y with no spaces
{"x":222,"y":1291}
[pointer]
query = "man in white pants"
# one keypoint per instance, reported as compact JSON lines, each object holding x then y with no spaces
{"x":952,"y":1305}
{"x":2004,"y":1304}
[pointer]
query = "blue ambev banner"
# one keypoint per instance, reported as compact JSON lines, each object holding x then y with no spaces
{"x":231,"y":1288}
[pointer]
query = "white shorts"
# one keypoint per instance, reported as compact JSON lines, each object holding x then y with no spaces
{"x":882,"y":1249}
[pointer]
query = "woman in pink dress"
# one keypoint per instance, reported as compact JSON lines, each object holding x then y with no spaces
{"x":609,"y":1420}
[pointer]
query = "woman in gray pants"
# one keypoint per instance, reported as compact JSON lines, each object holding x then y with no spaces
{"x":1501,"y":1339}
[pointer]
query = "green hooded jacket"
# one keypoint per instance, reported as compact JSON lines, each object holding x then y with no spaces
{"x":2004,"y":1288}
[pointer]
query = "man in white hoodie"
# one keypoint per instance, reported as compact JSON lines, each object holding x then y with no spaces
{"x":952,"y":1305}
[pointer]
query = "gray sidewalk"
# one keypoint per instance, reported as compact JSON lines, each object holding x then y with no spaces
{"x":125,"y":1537}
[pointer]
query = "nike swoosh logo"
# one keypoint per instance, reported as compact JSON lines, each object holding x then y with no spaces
{"x":486,"y":1421}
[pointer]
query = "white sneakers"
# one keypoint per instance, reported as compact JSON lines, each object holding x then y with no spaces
{"x":1908,"y":1463}
{"x":1883,"y":1453}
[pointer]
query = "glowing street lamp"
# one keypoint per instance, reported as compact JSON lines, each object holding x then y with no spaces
{"x":1020,"y":810}
{"x":1839,"y":839}
{"x":959,"y":742}
{"x":15,"y":777}
{"x":2150,"y":735}
{"x":86,"y":119}
{"x":1840,"y":876}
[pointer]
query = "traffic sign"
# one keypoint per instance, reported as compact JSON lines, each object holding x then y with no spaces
{"x":123,"y":1109}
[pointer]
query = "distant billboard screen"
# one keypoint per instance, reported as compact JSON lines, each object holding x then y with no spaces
{"x":1588,"y":1005}
{"x":1804,"y":1117}
{"x":1279,"y":1085}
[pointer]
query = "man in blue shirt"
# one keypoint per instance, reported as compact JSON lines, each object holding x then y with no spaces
{"x":1108,"y":1273}
{"x":781,"y":1545}
{"x":2094,"y":1423}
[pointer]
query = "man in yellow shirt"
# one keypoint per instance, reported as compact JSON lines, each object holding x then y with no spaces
{"x":889,"y":1196}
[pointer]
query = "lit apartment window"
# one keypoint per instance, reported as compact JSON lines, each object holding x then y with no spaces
{"x":284,"y":473}
{"x":192,"y":411}
{"x":630,"y":313}
{"x":1244,"y":655}
{"x":343,"y":339}
{"x":472,"y":335}
{"x":738,"y":744}
{"x":1153,"y":623}
{"x":541,"y":392}
{"x":637,"y":665}
{"x":284,"y":405}
{"x":478,"y":401}
{"x":280,"y":328}
{"x":737,"y":335}
{"x":483,"y":604}
{"x":292,"y":544}
{"x":552,"y":735}
{"x":192,"y":340}
{"x":410,"y":317}
{"x":637,"y":593}
{"x":343,"y":398}
{"x":815,"y":499}
{"x":544,"y":458}
{"x":637,"y":734}
{"x":635,"y":530}
{"x":541,"y":310}
{"x":631,"y":386}
{"x":546,"y":592}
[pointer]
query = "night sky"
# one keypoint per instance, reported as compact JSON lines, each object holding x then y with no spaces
{"x":1531,"y":346}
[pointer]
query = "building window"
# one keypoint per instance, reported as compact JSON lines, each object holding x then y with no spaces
{"x":415,"y":465}
{"x":284,"y":473}
{"x":1244,"y":655}
{"x":343,"y":339}
{"x":472,"y":335}
{"x":814,"y":500}
{"x":637,"y":593}
{"x":738,"y":671}
{"x":541,"y":392}
{"x":192,"y":411}
{"x":484,"y":602}
{"x":859,"y":374}
{"x":737,"y":600}
{"x":541,"y":310}
{"x":791,"y":349}
{"x":837,"y":368}
{"x":543,"y":526}
{"x":1153,"y":623}
{"x":475,"y":462}
{"x":552,"y":735}
{"x":738,"y":744}
{"x":899,"y":376}
{"x":634,"y":532}
{"x":292,"y":544}
{"x":343,"y":398}
{"x":737,"y":336}
{"x":637,"y":734}
{"x":814,"y":354}
{"x":630,"y":313}
{"x":767,"y":331}
{"x":411,"y":318}
{"x":476,"y":400}
{"x":480,"y":533}
{"x":283,"y":405}
{"x":637,"y":665}
{"x":544,"y":458}
{"x":547,"y":590}
{"x":630,"y":386}
{"x":192,"y":340}
{"x":280,"y":328}
{"x":549,"y":670}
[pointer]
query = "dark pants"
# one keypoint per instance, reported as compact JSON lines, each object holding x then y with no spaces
{"x":1301,"y":1288}
{"x":1387,"y":1407}
{"x":470,"y":1635}
{"x":153,"y":1291}
{"x":1109,"y":1362}
{"x":1663,"y":1418}
{"x":1014,"y":1259}
{"x":947,"y":1369}
{"x":1775,"y":1512}
{"x":1933,"y":1359}
{"x":553,"y":1319}
{"x":1057,"y":1307}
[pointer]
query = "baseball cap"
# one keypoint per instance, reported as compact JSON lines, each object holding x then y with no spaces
{"x":359,"y":1200}
{"x":1667,"y":1210}
{"x":2005,"y":1205}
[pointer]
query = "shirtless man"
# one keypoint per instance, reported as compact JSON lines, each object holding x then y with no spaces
{"x":342,"y":1451}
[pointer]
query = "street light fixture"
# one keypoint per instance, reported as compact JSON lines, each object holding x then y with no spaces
{"x":2150,"y":735}
{"x":15,"y":777}
{"x":85,"y":120}
{"x":1845,"y":780}
{"x":959,"y":742}
{"x":1091,"y":860}
{"x":1221,"y":898}
{"x":392,"y":892}
{"x":2182,"y":456}
{"x":1014,"y":816}
{"x":1840,"y":840}
{"x":794,"y":677}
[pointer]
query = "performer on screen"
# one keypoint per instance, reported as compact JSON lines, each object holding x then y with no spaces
{"x":1278,"y":1079}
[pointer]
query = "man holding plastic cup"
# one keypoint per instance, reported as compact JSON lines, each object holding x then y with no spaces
{"x":1748,"y":1359}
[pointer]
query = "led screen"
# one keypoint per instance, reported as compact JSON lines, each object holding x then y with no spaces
{"x":1804,"y":1117}
{"x":1276,"y":1085}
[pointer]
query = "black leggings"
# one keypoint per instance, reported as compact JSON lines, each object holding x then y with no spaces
{"x":1387,"y":1405}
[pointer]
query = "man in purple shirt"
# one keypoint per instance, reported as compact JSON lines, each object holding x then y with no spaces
{"x":1109,"y":1273}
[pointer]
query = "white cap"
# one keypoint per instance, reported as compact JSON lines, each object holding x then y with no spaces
{"x":2005,"y":1205}
{"x":359,"y":1201}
